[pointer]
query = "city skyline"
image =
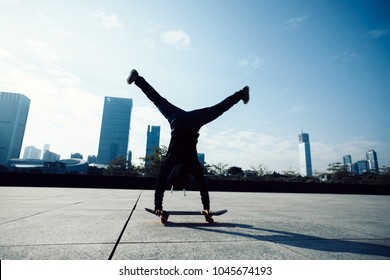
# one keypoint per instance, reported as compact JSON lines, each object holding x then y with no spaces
{"x":309,"y":68}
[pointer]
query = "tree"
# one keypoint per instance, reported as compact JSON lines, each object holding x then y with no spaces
{"x":119,"y":166}
{"x":260,"y":170}
{"x":339,"y":173}
{"x":153,"y":162}
{"x":218,"y":169}
{"x":235,"y":171}
{"x":290,"y":173}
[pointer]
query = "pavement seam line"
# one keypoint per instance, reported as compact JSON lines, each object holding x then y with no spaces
{"x":124,"y":228}
{"x":43,"y":212}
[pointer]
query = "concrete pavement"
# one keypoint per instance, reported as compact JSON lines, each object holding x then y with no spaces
{"x":101,"y":224}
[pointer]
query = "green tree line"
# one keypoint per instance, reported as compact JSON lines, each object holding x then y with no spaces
{"x":336,"y":172}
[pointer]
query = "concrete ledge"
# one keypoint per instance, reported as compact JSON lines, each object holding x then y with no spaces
{"x":88,"y":181}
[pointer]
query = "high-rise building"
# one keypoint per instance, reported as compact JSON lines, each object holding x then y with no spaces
{"x":305,"y":155}
{"x":347,"y":160}
{"x":92,"y":159}
{"x":30,"y":152}
{"x":76,"y":155}
{"x":201,"y":158}
{"x":152,"y":139}
{"x":361,"y":167}
{"x":51,"y":157}
{"x":14,"y":109}
{"x":129,"y":157}
{"x":46,"y":147}
{"x":372,"y":161}
{"x":115,"y":129}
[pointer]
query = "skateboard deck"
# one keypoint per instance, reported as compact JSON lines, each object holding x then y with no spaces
{"x":166,"y":214}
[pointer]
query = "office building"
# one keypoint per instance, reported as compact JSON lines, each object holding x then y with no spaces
{"x":201,"y":158}
{"x":46,"y":147}
{"x":51,"y":157}
{"x":129,"y":157}
{"x":14,"y":109}
{"x":152,"y":139}
{"x":347,"y":160}
{"x":76,"y":155}
{"x":305,"y":155}
{"x":361,"y":167}
{"x":115,"y":129}
{"x":372,"y":161}
{"x":30,"y":152}
{"x":92,"y":159}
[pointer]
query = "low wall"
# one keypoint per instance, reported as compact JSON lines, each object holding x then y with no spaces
{"x":86,"y":181}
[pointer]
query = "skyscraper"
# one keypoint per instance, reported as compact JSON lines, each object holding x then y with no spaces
{"x":31,"y":152}
{"x":372,"y":161}
{"x":201,"y":158}
{"x":347,"y":160}
{"x":14,"y":109}
{"x":115,"y":129}
{"x":152,"y":139}
{"x":46,"y":147}
{"x":305,"y":155}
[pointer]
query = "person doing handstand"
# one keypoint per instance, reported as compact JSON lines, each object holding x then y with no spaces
{"x":182,"y":158}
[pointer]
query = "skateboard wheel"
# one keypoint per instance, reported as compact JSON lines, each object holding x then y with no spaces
{"x":210,"y":220}
{"x":164,"y":220}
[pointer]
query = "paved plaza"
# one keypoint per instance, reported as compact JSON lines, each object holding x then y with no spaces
{"x":101,"y":224}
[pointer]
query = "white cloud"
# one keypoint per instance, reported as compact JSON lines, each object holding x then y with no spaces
{"x":4,"y":54}
{"x":41,"y":49}
{"x":346,"y":56}
{"x":378,"y":33}
{"x":295,"y":23}
{"x":176,"y":38}
{"x":248,"y":148}
{"x":252,"y":62}
{"x":9,"y":2}
{"x":65,"y":78}
{"x":107,"y":21}
{"x":149,"y":44}
{"x":296,"y":109}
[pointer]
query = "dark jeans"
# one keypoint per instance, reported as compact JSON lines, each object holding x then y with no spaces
{"x":183,"y":120}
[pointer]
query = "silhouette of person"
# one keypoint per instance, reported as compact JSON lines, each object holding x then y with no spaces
{"x":182,"y":158}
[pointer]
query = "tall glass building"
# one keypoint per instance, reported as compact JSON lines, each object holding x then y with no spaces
{"x":372,"y":161}
{"x":152,"y":139}
{"x":14,"y":109}
{"x":347,"y":160}
{"x":31,"y":152}
{"x":305,"y":155}
{"x":115,"y":129}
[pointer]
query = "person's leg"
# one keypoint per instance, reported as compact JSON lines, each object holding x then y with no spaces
{"x":197,"y":172}
{"x":163,"y":181}
{"x":206,"y":115}
{"x":165,"y":107}
{"x":159,"y":191}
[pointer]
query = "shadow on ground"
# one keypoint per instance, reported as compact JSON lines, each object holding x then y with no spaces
{"x":291,"y":238}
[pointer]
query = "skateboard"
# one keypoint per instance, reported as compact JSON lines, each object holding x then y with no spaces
{"x":165,"y":215}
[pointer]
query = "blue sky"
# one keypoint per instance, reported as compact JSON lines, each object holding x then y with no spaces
{"x":318,"y":66}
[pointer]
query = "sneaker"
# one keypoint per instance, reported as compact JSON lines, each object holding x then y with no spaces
{"x":207,"y":213}
{"x":245,"y":97}
{"x":133,"y":76}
